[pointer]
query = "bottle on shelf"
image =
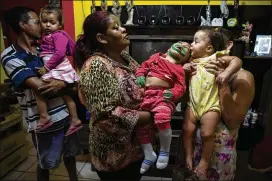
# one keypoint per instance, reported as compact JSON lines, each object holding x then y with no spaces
{"x":247,"y":118}
{"x":254,"y":118}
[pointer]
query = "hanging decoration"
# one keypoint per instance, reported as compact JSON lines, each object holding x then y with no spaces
{"x":130,"y":10}
{"x":116,"y":9}
{"x":104,"y":5}
{"x":207,"y":21}
{"x":93,"y":7}
{"x":232,"y":22}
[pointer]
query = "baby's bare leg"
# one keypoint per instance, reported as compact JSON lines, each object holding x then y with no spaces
{"x":72,"y":109}
{"x":209,"y":123}
{"x":188,"y":130}
{"x":42,"y":108}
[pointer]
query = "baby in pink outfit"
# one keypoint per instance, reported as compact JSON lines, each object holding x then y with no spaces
{"x":55,"y":45}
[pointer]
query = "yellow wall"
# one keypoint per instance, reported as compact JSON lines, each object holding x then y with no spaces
{"x":2,"y":47}
{"x":82,"y":8}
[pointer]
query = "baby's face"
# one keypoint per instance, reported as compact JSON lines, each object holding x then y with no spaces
{"x":186,"y":53}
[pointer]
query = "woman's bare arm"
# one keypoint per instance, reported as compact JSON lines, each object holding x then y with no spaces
{"x":236,"y":101}
{"x":234,"y":64}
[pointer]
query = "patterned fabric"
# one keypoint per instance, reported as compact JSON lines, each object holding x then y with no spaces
{"x":64,"y":71}
{"x":20,"y":65}
{"x":162,"y":110}
{"x":173,"y":74}
{"x":155,"y":102}
{"x":203,"y":90}
{"x":111,"y":95}
{"x":222,"y":165}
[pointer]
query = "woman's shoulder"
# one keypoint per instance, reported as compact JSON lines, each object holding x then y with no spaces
{"x":245,"y":75}
{"x":243,"y":81}
{"x":132,"y":63}
{"x":94,"y":61}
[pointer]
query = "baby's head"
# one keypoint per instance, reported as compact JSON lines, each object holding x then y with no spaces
{"x":206,"y":42}
{"x":228,"y":37}
{"x":51,"y":19}
{"x":180,"y":52}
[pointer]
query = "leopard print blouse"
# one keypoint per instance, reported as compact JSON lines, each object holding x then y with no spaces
{"x":111,"y":95}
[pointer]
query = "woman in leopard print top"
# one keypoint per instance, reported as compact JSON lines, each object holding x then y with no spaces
{"x":108,"y":90}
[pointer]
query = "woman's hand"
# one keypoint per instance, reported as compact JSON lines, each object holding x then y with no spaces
{"x":145,"y":118}
{"x":216,"y":66}
{"x":190,"y":68}
{"x":51,"y":87}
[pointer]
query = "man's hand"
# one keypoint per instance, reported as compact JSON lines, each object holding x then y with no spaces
{"x":52,"y":87}
{"x":42,"y":71}
{"x":140,"y":81}
{"x":167,"y":94}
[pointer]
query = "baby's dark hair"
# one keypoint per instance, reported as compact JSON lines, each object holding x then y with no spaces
{"x":216,"y":38}
{"x":53,"y":9}
{"x":15,"y":15}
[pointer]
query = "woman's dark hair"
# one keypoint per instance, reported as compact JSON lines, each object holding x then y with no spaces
{"x":53,"y":9}
{"x":216,"y":38}
{"x":16,"y":15}
{"x":87,"y":43}
{"x":227,"y":34}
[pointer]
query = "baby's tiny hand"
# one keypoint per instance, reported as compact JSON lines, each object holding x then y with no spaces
{"x":42,"y":71}
{"x":167,"y":94}
{"x":187,"y":68}
{"x":222,"y":78}
{"x":140,"y":81}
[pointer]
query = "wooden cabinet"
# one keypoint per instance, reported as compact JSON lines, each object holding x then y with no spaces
{"x":13,"y":149}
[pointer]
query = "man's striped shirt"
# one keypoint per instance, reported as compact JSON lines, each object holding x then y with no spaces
{"x":20,"y":65}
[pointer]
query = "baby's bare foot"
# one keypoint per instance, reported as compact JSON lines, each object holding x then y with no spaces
{"x":44,"y":119}
{"x":76,"y":122}
{"x":189,"y":162}
{"x":202,"y":168}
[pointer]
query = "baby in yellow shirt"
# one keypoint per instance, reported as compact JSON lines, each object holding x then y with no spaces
{"x":204,"y":104}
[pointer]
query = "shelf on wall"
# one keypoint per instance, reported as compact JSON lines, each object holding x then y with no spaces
{"x":185,"y":26}
{"x":258,"y":57}
{"x":171,"y":31}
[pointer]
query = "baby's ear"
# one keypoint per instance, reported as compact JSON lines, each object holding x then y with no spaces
{"x":209,"y":48}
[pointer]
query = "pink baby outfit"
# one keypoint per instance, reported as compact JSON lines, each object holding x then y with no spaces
{"x":55,"y":47}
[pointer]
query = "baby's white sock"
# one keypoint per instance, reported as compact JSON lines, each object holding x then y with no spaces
{"x":150,"y":157}
{"x":165,"y":142}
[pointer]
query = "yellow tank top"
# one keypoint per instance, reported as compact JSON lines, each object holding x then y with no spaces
{"x":203,"y":89}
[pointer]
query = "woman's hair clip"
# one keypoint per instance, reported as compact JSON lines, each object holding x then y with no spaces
{"x":217,"y":29}
{"x":81,"y":36}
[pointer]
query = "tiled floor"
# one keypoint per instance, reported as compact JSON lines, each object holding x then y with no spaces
{"x":27,"y":169}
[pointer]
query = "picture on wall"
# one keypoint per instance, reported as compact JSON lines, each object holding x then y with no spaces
{"x":263,"y":45}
